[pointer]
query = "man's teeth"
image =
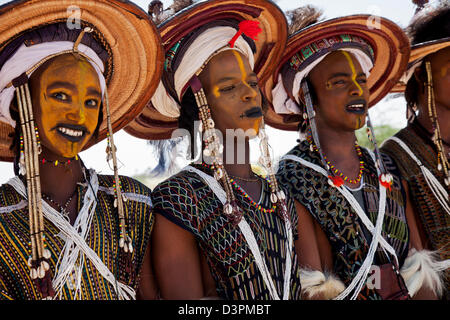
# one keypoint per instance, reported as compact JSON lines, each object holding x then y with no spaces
{"x":71,"y":132}
{"x":356,"y":106}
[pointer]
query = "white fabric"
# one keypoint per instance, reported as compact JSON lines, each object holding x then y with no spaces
{"x":359,"y":280}
{"x":251,"y":240}
{"x":199,"y":52}
{"x":26,"y":58}
{"x":71,"y":260}
{"x":436,"y":187}
{"x":409,"y":72}
{"x":281,"y":102}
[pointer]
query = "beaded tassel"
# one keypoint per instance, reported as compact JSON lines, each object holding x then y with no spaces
{"x":277,"y":196}
{"x":385,"y":178}
{"x":124,"y":239}
{"x":38,"y":261}
{"x":214,"y":149}
{"x":443,"y":164}
{"x":333,"y":180}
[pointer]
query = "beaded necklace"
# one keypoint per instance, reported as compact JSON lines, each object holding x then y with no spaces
{"x":335,"y":170}
{"x":245,"y":194}
{"x":57,"y":162}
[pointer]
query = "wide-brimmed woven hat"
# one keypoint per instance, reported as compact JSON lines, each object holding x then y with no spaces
{"x":124,"y":31}
{"x":151,"y":124}
{"x":418,"y":52}
{"x":387,"y":40}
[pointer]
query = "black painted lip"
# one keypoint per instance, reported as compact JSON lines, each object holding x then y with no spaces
{"x":72,"y":127}
{"x":357,"y":111}
{"x":255,"y":112}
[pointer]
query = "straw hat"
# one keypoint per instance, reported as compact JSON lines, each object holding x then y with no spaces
{"x":418,"y":52}
{"x":390,"y":49}
{"x":150,"y":124}
{"x":131,"y":41}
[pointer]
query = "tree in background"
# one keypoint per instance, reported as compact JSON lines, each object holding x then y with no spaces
{"x":381,"y":132}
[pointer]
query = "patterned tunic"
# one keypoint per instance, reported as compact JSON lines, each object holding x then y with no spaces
{"x":433,"y":218}
{"x":186,"y":200}
{"x":103,"y":238}
{"x":348,"y":237}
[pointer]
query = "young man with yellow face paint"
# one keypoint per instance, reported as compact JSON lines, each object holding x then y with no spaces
{"x":422,"y":148}
{"x":348,"y":198}
{"x":231,"y":230}
{"x":67,"y":232}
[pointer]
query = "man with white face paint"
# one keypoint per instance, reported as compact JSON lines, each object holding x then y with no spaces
{"x":352,"y":208}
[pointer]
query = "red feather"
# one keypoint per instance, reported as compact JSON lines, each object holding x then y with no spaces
{"x":337,"y":181}
{"x":248,"y":27}
{"x":387,"y":185}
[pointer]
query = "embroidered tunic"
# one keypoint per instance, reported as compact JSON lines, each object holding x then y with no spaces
{"x":102,"y":238}
{"x":432,"y":216}
{"x":348,"y":237}
{"x":186,"y":200}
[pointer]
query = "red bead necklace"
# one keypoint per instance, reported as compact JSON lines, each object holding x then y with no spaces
{"x":338,"y":174}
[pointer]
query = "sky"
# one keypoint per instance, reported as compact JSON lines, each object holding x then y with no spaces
{"x":136,"y":157}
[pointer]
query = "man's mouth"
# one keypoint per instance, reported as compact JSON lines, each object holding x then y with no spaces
{"x":357,"y":106}
{"x":73,"y":133}
{"x":255,"y":112}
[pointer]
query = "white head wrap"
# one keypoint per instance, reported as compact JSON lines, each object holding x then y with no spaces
{"x":283,"y":104}
{"x":200,"y":51}
{"x":27,"y":57}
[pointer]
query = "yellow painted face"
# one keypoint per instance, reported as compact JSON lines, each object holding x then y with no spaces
{"x":354,"y":74}
{"x":232,"y":91}
{"x":66,"y":96}
{"x":341,"y":91}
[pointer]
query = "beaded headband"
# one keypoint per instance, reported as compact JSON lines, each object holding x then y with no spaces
{"x":312,"y":51}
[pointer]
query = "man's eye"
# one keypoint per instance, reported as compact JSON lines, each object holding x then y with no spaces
{"x":362,"y":81}
{"x":60,"y":96}
{"x":338,"y":82}
{"x":225,"y":89}
{"x":91,"y":103}
{"x":253,"y":83}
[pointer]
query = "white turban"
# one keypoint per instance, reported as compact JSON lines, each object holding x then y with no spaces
{"x":201,"y":50}
{"x":27,"y":57}
{"x":284,"y":105}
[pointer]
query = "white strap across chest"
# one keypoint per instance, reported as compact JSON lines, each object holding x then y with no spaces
{"x":435,"y":186}
{"x":251,"y":240}
{"x":75,"y":250}
{"x":359,"y":280}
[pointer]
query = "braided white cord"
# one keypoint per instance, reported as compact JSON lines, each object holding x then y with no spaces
{"x":76,"y":245}
{"x":436,"y":187}
{"x":360,"y":277}
{"x":251,"y":241}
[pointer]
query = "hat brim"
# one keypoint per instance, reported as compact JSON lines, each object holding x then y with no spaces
{"x":137,"y":52}
{"x":391,"y":51}
{"x":420,"y":51}
{"x":269,"y":47}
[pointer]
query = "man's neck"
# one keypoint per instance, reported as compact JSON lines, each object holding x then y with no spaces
{"x":339,"y":148}
{"x":59,"y":181}
{"x":238,"y":163}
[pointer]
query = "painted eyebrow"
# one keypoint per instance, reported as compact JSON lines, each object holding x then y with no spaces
{"x":233,"y":78}
{"x":61,"y":84}
{"x":343,"y":74}
{"x":94,"y":92}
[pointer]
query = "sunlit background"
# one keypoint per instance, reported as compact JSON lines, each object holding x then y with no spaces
{"x":388,"y":116}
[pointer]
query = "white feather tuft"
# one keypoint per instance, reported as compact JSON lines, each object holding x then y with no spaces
{"x":423,"y":268}
{"x":315,"y":283}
